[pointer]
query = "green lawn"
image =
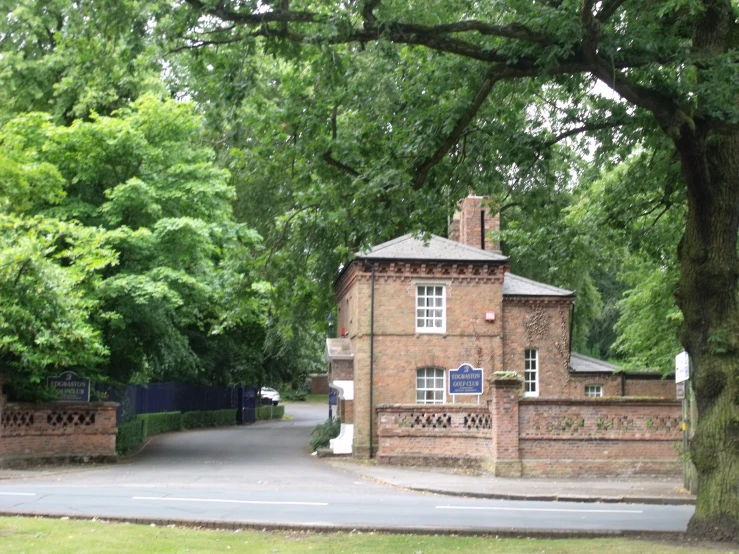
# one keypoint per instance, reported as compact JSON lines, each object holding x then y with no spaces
{"x":54,"y":536}
{"x":317,"y":399}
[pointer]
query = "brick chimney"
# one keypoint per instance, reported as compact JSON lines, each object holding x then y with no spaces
{"x":473,"y":223}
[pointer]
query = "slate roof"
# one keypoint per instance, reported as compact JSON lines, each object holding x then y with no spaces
{"x":515,"y":285}
{"x":585,"y":364}
{"x":437,"y":249}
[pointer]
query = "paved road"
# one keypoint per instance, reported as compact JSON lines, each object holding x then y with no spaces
{"x":264,"y":474}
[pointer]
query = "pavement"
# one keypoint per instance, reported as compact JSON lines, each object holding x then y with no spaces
{"x":483,"y":485}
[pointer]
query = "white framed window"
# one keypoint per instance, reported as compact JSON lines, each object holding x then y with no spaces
{"x":431,"y":308}
{"x":593,"y":390}
{"x":531,"y":372}
{"x":430,"y":387}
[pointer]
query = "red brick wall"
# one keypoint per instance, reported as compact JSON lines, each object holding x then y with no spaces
{"x":399,"y":351}
{"x":341,"y":370}
{"x":574,"y":386}
{"x":319,"y":384}
{"x":536,"y":437}
{"x":599,"y":437}
{"x":467,"y":231}
{"x":57,"y":432}
{"x":541,"y":323}
{"x":660,"y":388}
{"x":345,"y":410}
{"x":437,"y":434}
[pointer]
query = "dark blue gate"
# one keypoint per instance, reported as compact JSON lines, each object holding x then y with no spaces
{"x":247,"y":405}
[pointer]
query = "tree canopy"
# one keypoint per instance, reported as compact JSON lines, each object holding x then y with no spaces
{"x":204,"y":233}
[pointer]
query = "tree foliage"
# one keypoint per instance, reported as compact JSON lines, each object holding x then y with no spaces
{"x":488,"y":96}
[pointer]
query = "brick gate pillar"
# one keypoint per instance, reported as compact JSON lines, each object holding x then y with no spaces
{"x":505,"y":389}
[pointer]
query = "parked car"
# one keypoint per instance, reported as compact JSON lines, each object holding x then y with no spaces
{"x":268,"y":393}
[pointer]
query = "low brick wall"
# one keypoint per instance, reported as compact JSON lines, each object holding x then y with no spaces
{"x":439,"y":435}
{"x":319,"y":384}
{"x":599,"y":437}
{"x":57,"y":432}
{"x":537,"y":437}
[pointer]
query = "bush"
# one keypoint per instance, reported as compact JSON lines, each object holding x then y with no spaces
{"x":324,"y":432}
{"x":270,"y":412}
{"x":215,"y":418}
{"x":163,"y":422}
{"x":294,"y":395}
{"x":130,"y":436}
{"x":133,"y":433}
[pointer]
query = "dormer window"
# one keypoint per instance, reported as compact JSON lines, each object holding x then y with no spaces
{"x":431,"y":308}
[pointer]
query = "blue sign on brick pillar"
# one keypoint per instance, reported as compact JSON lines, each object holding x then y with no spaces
{"x":465,"y":380}
{"x":333,"y":397}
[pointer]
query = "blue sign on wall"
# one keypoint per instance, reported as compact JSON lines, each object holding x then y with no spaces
{"x":333,"y":396}
{"x":465,"y":380}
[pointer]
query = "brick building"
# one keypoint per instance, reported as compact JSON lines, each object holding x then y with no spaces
{"x":410,"y":309}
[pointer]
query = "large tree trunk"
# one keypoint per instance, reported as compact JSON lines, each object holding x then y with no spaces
{"x":707,"y":296}
{"x":709,"y":267}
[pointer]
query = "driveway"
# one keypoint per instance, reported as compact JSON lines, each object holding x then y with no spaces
{"x":265,"y":456}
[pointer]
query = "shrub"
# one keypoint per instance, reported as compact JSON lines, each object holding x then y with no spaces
{"x":163,"y":422}
{"x":295,"y":395}
{"x":270,"y":412}
{"x":130,"y":436}
{"x":324,"y":432}
{"x":214,"y":418}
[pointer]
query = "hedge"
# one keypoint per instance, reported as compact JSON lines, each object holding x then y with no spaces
{"x":164,"y":422}
{"x":270,"y":412}
{"x":132,"y":434}
{"x":216,"y":418}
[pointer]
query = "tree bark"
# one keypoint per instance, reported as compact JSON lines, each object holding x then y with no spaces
{"x":707,"y":296}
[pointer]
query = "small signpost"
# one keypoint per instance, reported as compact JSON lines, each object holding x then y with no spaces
{"x":682,"y":367}
{"x":465,"y":380}
{"x":684,"y":393}
{"x":333,"y":400}
{"x":70,"y":387}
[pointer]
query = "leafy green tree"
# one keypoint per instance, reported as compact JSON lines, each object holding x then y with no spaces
{"x":71,"y":58}
{"x":48,"y":272}
{"x":185,"y":272}
{"x":471,"y":72}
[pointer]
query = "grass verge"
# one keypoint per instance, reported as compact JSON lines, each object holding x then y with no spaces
{"x":317,"y":398}
{"x":55,"y":536}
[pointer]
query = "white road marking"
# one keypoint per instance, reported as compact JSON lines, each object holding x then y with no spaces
{"x":226,"y":501}
{"x":18,"y":493}
{"x":568,"y":510}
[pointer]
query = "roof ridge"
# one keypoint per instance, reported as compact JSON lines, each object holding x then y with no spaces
{"x":452,"y":244}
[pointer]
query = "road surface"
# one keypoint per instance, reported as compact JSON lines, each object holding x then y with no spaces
{"x":264,"y":474}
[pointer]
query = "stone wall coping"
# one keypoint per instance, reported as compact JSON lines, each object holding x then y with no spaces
{"x":625,"y":437}
{"x":602,"y":401}
{"x":432,"y":407}
{"x":62,"y":406}
{"x":452,"y":432}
